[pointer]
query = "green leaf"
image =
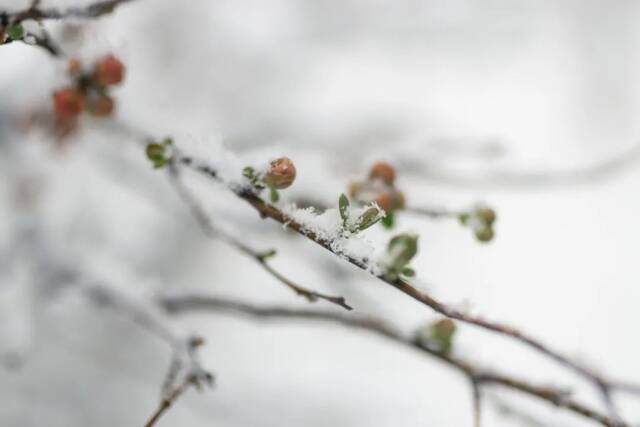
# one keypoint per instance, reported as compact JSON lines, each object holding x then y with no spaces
{"x":402,"y":248}
{"x":368,"y":218}
{"x":15,"y":31}
{"x":389,"y":220}
{"x":463,"y":218}
{"x":167,"y":141}
{"x":273,"y":195}
{"x":248,"y":172}
{"x":442,"y":332}
{"x":484,"y":234}
{"x":343,"y":205}
{"x":156,"y":154}
{"x":408,"y":271}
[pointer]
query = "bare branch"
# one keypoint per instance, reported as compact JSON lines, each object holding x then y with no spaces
{"x":36,"y":13}
{"x":478,"y":376}
{"x":432,"y":212}
{"x":477,"y":403}
{"x":169,"y":400}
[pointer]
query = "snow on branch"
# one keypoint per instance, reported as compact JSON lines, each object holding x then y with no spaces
{"x":394,"y":276}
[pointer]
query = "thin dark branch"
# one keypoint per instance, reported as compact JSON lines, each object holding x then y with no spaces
{"x":43,"y":41}
{"x":269,"y":211}
{"x":477,"y":402}
{"x":169,"y":400}
{"x":478,"y":376}
{"x":261,"y":257}
{"x":432,"y":212}
{"x":93,"y":10}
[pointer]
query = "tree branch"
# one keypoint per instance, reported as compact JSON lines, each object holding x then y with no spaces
{"x":265,"y":210}
{"x":261,"y":257}
{"x":92,"y":10}
{"x":190,"y":303}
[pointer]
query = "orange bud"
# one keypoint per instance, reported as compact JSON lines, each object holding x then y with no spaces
{"x":101,"y":107}
{"x":68,"y":103}
{"x":383,"y":171}
{"x":385,"y":201}
{"x":390,"y":201}
{"x":109,"y":71}
{"x":281,"y":173}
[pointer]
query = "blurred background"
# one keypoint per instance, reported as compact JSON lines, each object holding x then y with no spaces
{"x":530,"y":106}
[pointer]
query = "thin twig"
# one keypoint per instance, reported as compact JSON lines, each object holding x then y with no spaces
{"x":36,"y":13}
{"x":432,"y":212}
{"x":261,"y":257}
{"x":477,"y":403}
{"x":169,"y":400}
{"x":93,"y":10}
{"x":478,"y":376}
{"x":269,"y":211}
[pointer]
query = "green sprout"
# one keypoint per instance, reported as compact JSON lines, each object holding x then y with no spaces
{"x":159,"y":153}
{"x":400,"y":251}
{"x":368,"y":218}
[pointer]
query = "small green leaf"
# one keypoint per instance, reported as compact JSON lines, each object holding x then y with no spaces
{"x":167,"y":141}
{"x":389,"y":220}
{"x":15,"y":31}
{"x":463,"y":218}
{"x":404,"y":247}
{"x":273,"y":195}
{"x":408,"y":271}
{"x":368,"y":218}
{"x":156,"y":153}
{"x":343,"y":205}
{"x":484,"y":234}
{"x":442,"y":332}
{"x":248,"y":172}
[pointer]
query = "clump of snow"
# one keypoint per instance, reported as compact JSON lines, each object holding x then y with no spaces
{"x":211,"y":153}
{"x":328,"y":227}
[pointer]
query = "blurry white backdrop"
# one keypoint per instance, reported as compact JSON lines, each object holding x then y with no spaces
{"x":512,"y":103}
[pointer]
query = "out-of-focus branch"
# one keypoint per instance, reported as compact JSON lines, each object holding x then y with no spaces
{"x":516,"y":414}
{"x":596,"y":172}
{"x":169,"y":400}
{"x":150,"y":319}
{"x":261,"y":257}
{"x":432,"y":212}
{"x":185,"y":369}
{"x":37,"y":13}
{"x":478,"y":376}
{"x":265,"y":210}
{"x":476,"y":394}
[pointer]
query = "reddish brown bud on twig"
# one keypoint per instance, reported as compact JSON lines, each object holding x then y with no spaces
{"x":101,"y":107}
{"x":390,"y":200}
{"x":383,"y":171}
{"x":68,"y":103}
{"x":281,"y":173}
{"x":109,"y":71}
{"x":385,"y":201}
